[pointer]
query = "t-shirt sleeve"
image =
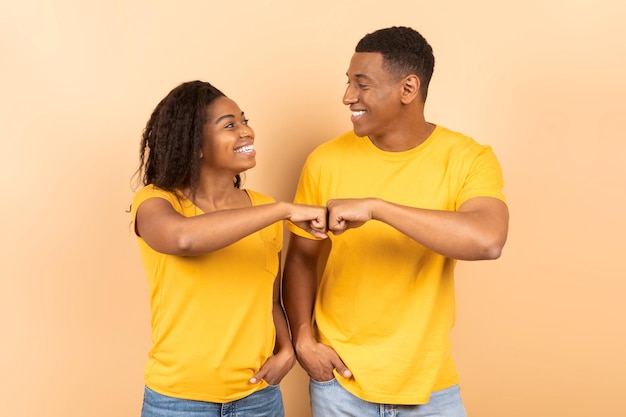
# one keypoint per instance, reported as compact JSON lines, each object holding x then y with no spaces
{"x":274,"y":232}
{"x":307,"y":192}
{"x":147,"y":192}
{"x":484,"y":178}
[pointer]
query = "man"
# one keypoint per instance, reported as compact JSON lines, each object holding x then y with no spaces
{"x":405,"y":199}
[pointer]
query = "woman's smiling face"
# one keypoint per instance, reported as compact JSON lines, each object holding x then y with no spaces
{"x":228,"y":139}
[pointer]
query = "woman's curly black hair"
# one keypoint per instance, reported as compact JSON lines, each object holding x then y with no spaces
{"x":404,"y":52}
{"x":169,"y":154}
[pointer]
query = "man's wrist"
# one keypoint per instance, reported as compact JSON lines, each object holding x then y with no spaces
{"x":303,"y":338}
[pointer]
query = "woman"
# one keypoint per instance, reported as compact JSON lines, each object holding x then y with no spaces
{"x":211,"y":251}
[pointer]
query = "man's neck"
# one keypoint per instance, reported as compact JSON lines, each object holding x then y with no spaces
{"x":401,"y":141}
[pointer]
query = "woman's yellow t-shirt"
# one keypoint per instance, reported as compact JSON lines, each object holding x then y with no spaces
{"x":212,"y":323}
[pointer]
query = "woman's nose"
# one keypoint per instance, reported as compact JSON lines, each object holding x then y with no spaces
{"x":246,"y":131}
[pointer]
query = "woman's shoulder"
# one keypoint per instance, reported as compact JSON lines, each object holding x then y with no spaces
{"x":151,"y":190}
{"x":258,"y":198}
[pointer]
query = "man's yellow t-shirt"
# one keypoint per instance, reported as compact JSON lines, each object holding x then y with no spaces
{"x":385,"y":303}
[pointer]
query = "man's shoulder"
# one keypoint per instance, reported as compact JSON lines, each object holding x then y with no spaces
{"x":453,"y":136}
{"x":344,"y":139}
{"x":336,"y":146}
{"x":455,"y":142}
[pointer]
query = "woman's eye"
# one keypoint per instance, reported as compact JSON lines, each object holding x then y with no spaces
{"x":245,"y":122}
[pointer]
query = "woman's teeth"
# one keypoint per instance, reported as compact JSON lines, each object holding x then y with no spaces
{"x":244,"y":149}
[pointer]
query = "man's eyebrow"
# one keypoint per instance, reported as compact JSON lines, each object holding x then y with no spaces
{"x":361,"y":76}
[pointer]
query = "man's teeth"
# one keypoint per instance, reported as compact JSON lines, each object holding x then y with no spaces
{"x":357,"y":113}
{"x":243,"y":149}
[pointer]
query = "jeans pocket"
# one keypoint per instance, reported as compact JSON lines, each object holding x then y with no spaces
{"x":323,"y":383}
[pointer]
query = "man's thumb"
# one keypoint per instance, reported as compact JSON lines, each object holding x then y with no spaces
{"x":343,"y":370}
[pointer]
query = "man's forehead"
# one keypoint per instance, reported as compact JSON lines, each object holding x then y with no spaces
{"x":365,"y":65}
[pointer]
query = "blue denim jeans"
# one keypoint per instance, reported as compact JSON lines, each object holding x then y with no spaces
{"x":267,"y":402}
{"x":330,"y":399}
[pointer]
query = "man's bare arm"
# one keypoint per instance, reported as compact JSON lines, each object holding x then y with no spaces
{"x":478,"y":230}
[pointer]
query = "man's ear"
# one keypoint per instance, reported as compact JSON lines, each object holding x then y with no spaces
{"x":410,"y":88}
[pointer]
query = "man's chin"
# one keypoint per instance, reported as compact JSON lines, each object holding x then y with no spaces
{"x":359,"y":132}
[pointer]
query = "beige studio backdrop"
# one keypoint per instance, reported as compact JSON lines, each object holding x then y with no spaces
{"x":539,"y":332}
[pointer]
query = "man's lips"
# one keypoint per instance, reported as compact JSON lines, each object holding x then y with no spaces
{"x":356,"y":114}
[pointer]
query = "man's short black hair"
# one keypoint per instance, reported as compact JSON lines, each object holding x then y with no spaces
{"x":404,"y":52}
